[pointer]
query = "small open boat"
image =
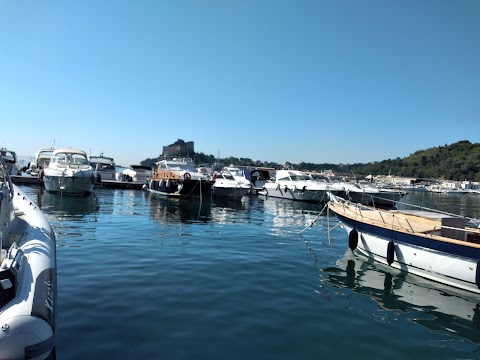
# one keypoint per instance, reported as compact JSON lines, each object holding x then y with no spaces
{"x":28,"y":276}
{"x":436,"y":245}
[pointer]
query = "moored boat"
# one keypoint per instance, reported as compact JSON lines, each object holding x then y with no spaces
{"x":225,"y":185}
{"x":28,"y":276}
{"x":436,"y":245}
{"x":134,"y":173}
{"x":104,"y":167}
{"x":68,"y":173}
{"x":296,"y":185}
{"x":179,"y":178}
{"x":42,"y":158}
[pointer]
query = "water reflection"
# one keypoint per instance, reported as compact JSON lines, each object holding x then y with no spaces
{"x":66,"y":206}
{"x":225,"y":210}
{"x":288,"y":213}
{"x":448,"y":309}
{"x":168,"y":210}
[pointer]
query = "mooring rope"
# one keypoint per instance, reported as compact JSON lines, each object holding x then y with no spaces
{"x":314,"y":220}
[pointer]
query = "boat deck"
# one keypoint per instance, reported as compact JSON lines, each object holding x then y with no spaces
{"x":412,"y":221}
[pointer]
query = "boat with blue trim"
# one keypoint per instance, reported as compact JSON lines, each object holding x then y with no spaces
{"x":436,"y":245}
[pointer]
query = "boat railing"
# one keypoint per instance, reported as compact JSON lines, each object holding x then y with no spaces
{"x":396,"y":203}
{"x":399,"y":221}
{"x":380,"y":217}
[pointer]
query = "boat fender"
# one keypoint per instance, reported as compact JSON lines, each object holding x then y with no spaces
{"x":390,"y":252}
{"x":477,"y":275}
{"x":304,"y":188}
{"x":150,"y":185}
{"x":286,"y":189}
{"x":187,"y":176}
{"x":353,"y":239}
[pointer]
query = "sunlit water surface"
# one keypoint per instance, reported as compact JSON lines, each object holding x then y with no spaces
{"x":142,"y":277}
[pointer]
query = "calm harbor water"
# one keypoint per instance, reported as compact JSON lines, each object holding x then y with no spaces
{"x":142,"y":277}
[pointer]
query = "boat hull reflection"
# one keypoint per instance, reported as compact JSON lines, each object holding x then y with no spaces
{"x":450,"y":309}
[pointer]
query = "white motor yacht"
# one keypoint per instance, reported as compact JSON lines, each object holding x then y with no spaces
{"x":69,"y":173}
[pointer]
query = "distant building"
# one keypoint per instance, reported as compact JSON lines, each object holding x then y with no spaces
{"x":179,"y":148}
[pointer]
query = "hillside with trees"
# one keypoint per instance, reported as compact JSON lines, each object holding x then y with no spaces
{"x":459,"y":161}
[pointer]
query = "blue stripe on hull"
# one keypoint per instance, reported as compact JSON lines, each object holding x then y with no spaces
{"x":412,"y":239}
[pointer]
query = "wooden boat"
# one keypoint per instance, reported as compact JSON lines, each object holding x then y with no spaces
{"x":28,"y":276}
{"x":179,"y":178}
{"x":439,"y":246}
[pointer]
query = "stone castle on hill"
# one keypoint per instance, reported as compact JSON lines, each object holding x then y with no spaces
{"x":179,"y":148}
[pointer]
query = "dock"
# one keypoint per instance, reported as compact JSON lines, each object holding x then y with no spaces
{"x":25,"y":180}
{"x":107,"y":184}
{"x":114,"y":184}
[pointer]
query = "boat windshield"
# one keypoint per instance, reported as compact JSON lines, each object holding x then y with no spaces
{"x":64,"y":158}
{"x":236,"y":172}
{"x":227,"y":176}
{"x":299,"y":177}
{"x":45,"y":154}
{"x":100,"y":160}
{"x":173,"y":166}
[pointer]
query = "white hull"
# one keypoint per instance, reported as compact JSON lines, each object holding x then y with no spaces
{"x":77,"y":184}
{"x":298,"y":186}
{"x":28,"y":278}
{"x":426,"y":244}
{"x":295,"y":194}
{"x":434,"y":265}
{"x":69,"y":173}
{"x":230,"y":191}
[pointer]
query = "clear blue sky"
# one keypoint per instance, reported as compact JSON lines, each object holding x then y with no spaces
{"x":338,"y":81}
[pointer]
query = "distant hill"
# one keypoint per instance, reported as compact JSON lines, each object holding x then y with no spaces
{"x":459,"y":161}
